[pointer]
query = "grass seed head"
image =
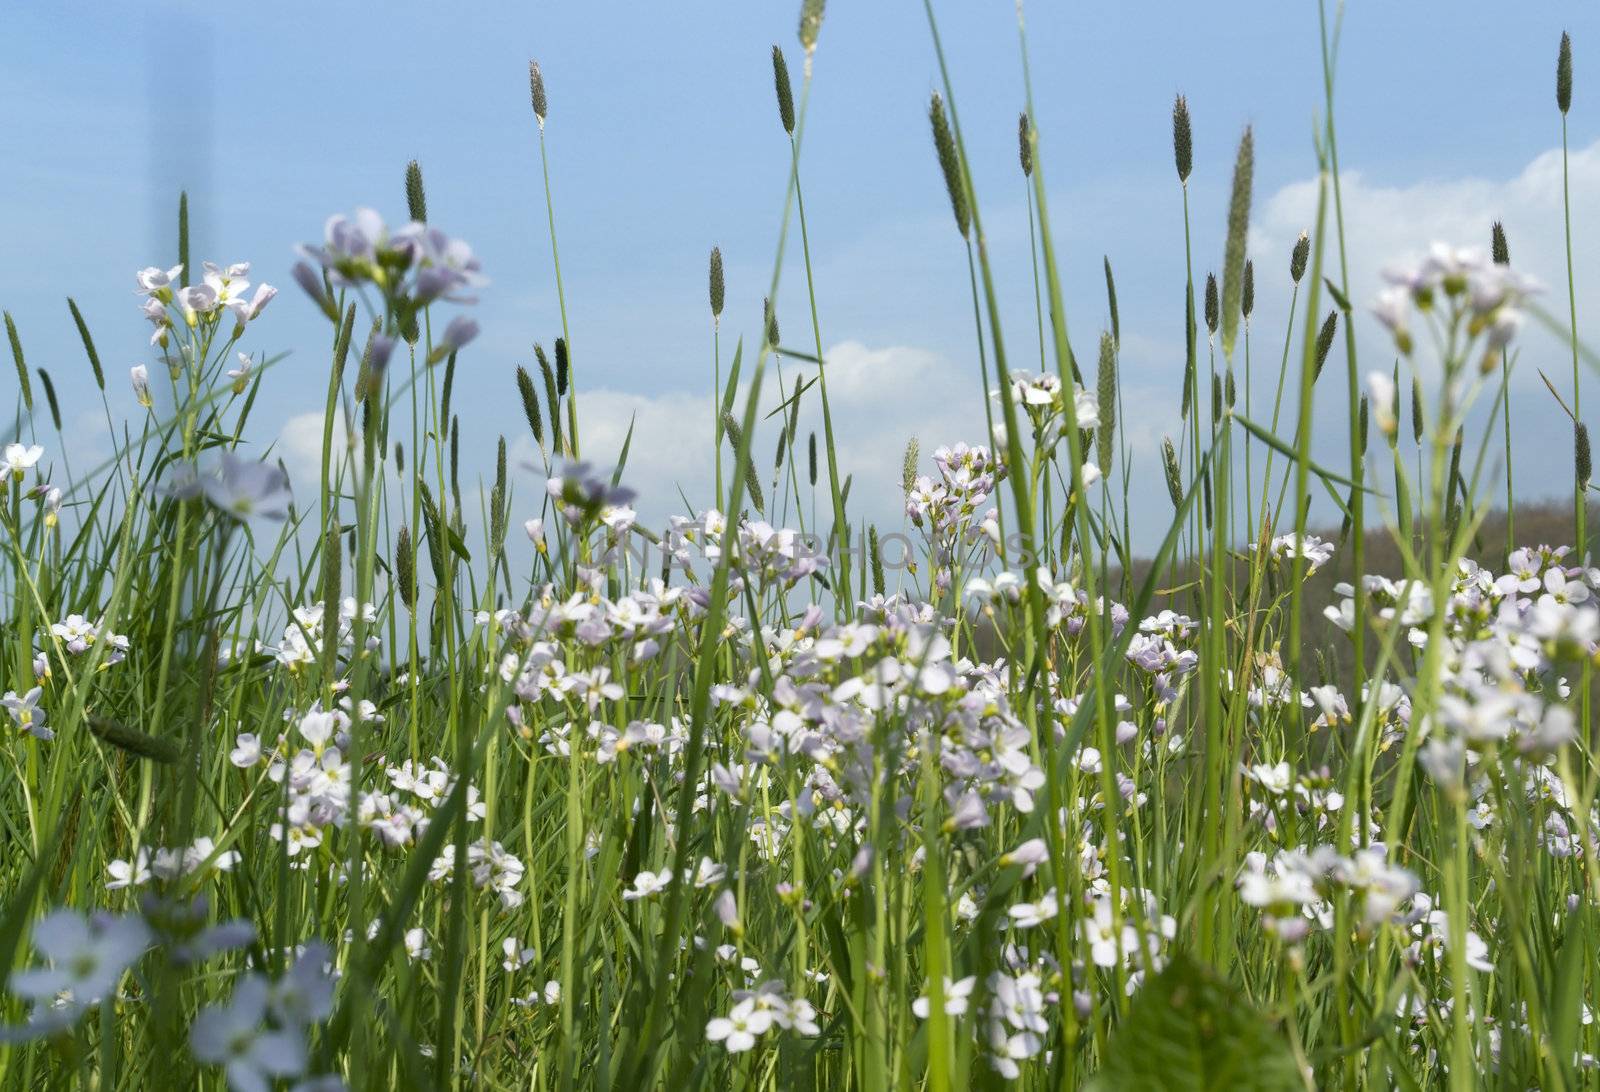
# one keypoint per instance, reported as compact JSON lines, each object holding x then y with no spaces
{"x":405,"y":567}
{"x":530,"y":405}
{"x":1111,"y":301}
{"x":1325,"y":342}
{"x":50,"y":398}
{"x":1498,"y":249}
{"x":1169,"y":463}
{"x":1298,"y":256}
{"x":1182,"y":139}
{"x":1564,"y":74}
{"x":183,"y":238}
{"x":1106,"y":393}
{"x":876,"y":557}
{"x":552,"y":396}
{"x":1238,"y":231}
{"x":88,"y":343}
{"x":133,"y":741}
{"x":810,"y":25}
{"x":780,"y":78}
{"x":416,"y":198}
{"x":944,"y":144}
{"x":541,"y":105}
{"x":718,"y":288}
{"x":21,"y":363}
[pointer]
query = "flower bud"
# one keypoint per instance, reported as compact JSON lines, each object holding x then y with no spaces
{"x":456,"y":336}
{"x":140,"y":377}
{"x":307,"y":278}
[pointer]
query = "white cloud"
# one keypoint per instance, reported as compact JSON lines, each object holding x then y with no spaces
{"x":1394,"y":223}
{"x":1389,"y":222}
{"x":300,"y":447}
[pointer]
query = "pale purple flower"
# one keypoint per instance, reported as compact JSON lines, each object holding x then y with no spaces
{"x":26,"y":714}
{"x":456,"y":336}
{"x":955,"y":997}
{"x":248,"y":311}
{"x":243,"y":487}
{"x":87,"y":958}
{"x":648,"y":883}
{"x":309,"y":280}
{"x":196,"y":300}
{"x":234,"y":1035}
{"x":304,"y":995}
{"x":581,"y":492}
{"x":152,"y":279}
{"x":20,"y":458}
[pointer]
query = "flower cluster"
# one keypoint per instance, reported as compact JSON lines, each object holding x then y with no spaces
{"x":1315,"y":551}
{"x":1486,"y":295}
{"x":1295,"y":889}
{"x":259,"y":1034}
{"x":222,"y":289}
{"x":491,"y":868}
{"x":410,"y":268}
{"x":167,"y":864}
{"x":759,"y":1011}
{"x":947,"y":509}
{"x":582,"y":494}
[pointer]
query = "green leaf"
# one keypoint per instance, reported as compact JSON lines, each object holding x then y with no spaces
{"x":622,"y":459}
{"x":1190,"y":1029}
{"x":1288,"y":452}
{"x":1338,"y":297}
{"x":731,"y":387}
{"x":1566,"y":999}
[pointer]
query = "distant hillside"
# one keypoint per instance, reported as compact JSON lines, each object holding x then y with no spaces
{"x":1329,"y":648}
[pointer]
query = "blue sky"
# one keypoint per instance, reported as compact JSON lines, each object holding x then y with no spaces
{"x":664,"y":140}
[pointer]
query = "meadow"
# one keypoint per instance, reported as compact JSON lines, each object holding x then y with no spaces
{"x":405,"y":783}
